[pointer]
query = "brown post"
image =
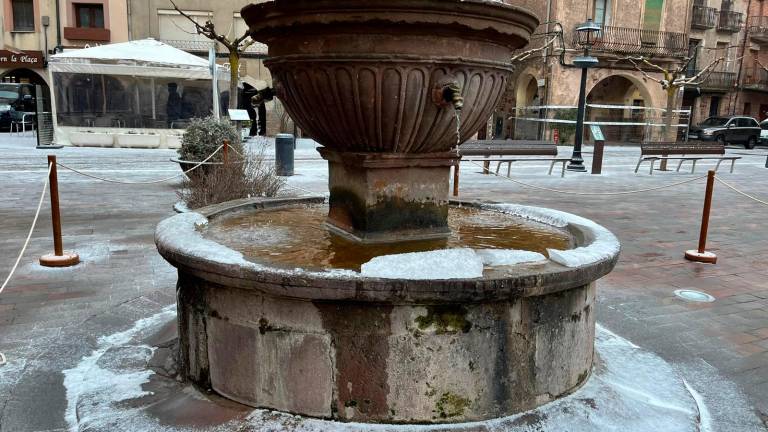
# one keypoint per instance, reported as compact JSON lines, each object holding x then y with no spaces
{"x":701,"y":255}
{"x":53,"y":179}
{"x":226,"y":151}
{"x":59,"y":258}
{"x":456,"y":169}
{"x":597,"y":157}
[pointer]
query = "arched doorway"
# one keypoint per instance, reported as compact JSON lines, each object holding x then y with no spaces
{"x":619,"y":91}
{"x":28,"y":76}
{"x":526,"y":99}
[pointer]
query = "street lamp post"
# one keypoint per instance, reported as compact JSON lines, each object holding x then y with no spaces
{"x":586,"y":32}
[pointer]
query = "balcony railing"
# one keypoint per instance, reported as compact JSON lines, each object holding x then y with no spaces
{"x":202,"y":46}
{"x":197,"y":46}
{"x":758,"y":28}
{"x":704,"y":17}
{"x":756,"y":78}
{"x":730,"y":21}
{"x":716,"y":81}
{"x":633,"y":41}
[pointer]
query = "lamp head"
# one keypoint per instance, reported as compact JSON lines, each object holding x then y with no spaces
{"x":587,"y":33}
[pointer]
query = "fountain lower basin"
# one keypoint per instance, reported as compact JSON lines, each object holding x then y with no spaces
{"x":335,"y":344}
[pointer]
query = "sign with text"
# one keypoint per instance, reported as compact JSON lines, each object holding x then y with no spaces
{"x":26,"y":59}
{"x":597,"y":133}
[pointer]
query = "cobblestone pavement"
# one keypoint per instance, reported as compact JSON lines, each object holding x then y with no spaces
{"x":49,"y":319}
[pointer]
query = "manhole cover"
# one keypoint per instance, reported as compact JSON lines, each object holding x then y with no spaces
{"x":694,"y":296}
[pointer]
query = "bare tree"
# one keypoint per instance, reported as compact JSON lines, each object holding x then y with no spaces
{"x":236,"y":48}
{"x":671,"y":81}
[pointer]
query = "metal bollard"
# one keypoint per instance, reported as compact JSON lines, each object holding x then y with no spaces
{"x":59,"y":258}
{"x":285,"y":145}
{"x":701,"y":255}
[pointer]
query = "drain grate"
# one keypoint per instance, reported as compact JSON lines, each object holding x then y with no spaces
{"x":694,"y":296}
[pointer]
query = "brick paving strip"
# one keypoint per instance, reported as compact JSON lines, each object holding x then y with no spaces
{"x":50,"y":319}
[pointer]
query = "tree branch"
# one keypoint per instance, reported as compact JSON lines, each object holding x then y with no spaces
{"x":645,"y":74}
{"x":526,"y":54}
{"x":703,"y":74}
{"x":208,"y":30}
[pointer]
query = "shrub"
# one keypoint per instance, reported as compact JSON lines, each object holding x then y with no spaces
{"x":204,"y":136}
{"x":244,"y":177}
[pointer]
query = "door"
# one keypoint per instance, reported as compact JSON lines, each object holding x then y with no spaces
{"x":714,"y":106}
{"x":763,"y":114}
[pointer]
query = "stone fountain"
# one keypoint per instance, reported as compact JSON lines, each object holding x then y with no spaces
{"x":389,"y":88}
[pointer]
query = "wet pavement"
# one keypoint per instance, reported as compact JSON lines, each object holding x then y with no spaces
{"x":50,"y":320}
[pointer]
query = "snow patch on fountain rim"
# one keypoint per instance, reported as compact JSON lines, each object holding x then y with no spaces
{"x":602,"y":246}
{"x":443,"y":264}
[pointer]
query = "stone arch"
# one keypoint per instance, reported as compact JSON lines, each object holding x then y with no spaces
{"x":527,"y":94}
{"x":24,"y":75}
{"x":624,"y":90}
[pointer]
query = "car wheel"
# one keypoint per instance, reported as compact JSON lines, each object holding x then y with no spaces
{"x":751,"y":143}
{"x":721,"y":140}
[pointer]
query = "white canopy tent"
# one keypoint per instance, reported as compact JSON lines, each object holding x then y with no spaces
{"x":131,"y":88}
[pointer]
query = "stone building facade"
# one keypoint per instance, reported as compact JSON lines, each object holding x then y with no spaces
{"x":34,"y":29}
{"x":672,"y":33}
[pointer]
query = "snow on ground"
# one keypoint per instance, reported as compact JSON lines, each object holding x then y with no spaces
{"x":630,"y":390}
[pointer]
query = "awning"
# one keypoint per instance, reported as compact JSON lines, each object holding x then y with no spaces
{"x":146,"y":57}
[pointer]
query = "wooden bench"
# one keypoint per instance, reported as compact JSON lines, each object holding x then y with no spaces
{"x":510,"y":151}
{"x":693,"y":151}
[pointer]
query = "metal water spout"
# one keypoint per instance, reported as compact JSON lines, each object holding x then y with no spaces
{"x":450,"y":95}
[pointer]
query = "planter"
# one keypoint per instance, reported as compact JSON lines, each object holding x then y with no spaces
{"x":92,"y":139}
{"x":137,"y":140}
{"x":173,"y":141}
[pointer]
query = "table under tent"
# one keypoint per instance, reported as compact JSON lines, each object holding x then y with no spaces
{"x":132,"y":94}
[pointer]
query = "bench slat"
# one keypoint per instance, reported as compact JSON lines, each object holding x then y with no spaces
{"x":508,"y":148}
{"x":670,"y":148}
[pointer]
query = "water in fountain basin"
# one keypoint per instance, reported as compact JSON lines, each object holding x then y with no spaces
{"x":296,"y":237}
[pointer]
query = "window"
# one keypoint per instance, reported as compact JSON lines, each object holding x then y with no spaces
{"x":89,"y":15}
{"x":601,"y":9}
{"x":747,"y":111}
{"x":23,"y":15}
{"x":652,"y":16}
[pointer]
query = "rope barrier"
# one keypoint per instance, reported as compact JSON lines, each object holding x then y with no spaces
{"x":26,"y":243}
{"x":589,"y":193}
{"x":142,"y":183}
{"x":733,"y":188}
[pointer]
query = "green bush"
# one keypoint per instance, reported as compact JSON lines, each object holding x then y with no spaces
{"x":204,"y":135}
